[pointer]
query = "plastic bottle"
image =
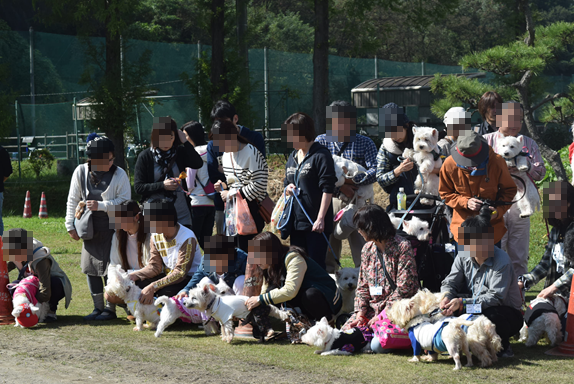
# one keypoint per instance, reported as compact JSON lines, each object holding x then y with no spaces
{"x":401,"y":199}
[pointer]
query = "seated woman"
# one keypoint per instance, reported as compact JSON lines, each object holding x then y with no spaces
{"x":174,"y":253}
{"x":30,"y":257}
{"x":559,"y":210}
{"x":289,"y":275}
{"x":384,"y":254}
{"x":221,"y":260}
{"x":482,"y":281}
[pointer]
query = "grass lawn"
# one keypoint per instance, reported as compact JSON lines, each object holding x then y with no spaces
{"x":112,"y":352}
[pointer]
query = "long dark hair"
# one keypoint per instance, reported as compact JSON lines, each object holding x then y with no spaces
{"x":276,"y":270}
{"x":408,"y":142}
{"x":562,"y":224}
{"x":159,"y":128}
{"x":226,"y":127}
{"x":130,"y":209}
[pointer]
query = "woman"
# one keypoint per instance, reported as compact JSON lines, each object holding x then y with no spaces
{"x":164,"y":160}
{"x":202,"y":206}
{"x":392,"y":173}
{"x":385,"y":257}
{"x":309,"y":170}
{"x":558,"y":209}
{"x":101,"y":185}
{"x":482,"y":281}
{"x":488,"y":104}
{"x":245,"y":170}
{"x":174,"y":253}
{"x":289,"y":276}
{"x":516,"y":241}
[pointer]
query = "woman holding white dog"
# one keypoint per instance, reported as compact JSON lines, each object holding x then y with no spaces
{"x":516,"y":241}
{"x":388,"y":269}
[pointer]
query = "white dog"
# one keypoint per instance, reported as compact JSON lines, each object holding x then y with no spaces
{"x":333,"y":341}
{"x":120,"y":285}
{"x":347,"y":169}
{"x":224,"y":308}
{"x":543,"y":318}
{"x":510,"y":148}
{"x":24,"y":303}
{"x":346,"y":280}
{"x":414,"y":227}
{"x":426,"y":154}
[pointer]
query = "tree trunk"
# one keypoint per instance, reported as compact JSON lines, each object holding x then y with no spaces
{"x":321,"y":64}
{"x":218,"y":80}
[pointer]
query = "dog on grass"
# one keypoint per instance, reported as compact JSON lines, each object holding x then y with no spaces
{"x":27,"y":311}
{"x":346,"y":280}
{"x":332,"y":341}
{"x":542,"y":318}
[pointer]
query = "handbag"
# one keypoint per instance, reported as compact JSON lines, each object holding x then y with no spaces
{"x":276,"y":215}
{"x":208,"y":188}
{"x":344,"y":224}
{"x":243,"y":220}
{"x":84,"y":225}
{"x":230,"y":218}
{"x":390,"y":336}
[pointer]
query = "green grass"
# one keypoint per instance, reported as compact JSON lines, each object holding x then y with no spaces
{"x":530,"y":365}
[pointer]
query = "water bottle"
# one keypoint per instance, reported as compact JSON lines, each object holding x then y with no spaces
{"x":401,"y":199}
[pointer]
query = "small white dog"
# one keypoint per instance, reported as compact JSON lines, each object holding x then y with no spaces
{"x":426,"y":154}
{"x":346,"y":280}
{"x":120,"y":285}
{"x":27,"y":311}
{"x":542,"y":318}
{"x":414,"y":227}
{"x":347,"y":169}
{"x":333,"y":341}
{"x":224,"y":308}
{"x":510,"y":148}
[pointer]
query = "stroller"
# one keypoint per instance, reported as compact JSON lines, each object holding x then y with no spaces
{"x":433,"y":260}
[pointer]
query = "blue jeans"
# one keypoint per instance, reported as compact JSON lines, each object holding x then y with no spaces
{"x":376,"y":346}
{"x":1,"y":221}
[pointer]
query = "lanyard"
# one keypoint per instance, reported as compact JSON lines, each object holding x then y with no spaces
{"x":474,"y":296}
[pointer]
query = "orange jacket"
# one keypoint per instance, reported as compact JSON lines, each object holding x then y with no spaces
{"x":457,"y":187}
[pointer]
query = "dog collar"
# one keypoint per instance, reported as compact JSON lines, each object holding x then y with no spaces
{"x":435,"y":155}
{"x":210,"y":305}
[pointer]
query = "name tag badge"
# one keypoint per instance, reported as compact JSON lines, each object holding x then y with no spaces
{"x":376,"y":291}
{"x":473,"y":308}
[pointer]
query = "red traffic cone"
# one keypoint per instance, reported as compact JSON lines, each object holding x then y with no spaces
{"x":5,"y":298}
{"x":566,"y":348}
{"x":43,"y":212}
{"x":252,"y":287}
{"x":27,"y":206}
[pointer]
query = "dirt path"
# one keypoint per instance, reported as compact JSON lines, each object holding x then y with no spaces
{"x":51,"y":359}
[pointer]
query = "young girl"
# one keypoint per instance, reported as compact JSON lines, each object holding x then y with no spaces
{"x":101,"y":185}
{"x":30,"y":256}
{"x":245,"y":170}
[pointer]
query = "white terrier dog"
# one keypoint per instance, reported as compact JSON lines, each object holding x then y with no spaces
{"x":426,"y":154}
{"x":542,"y":318}
{"x":414,"y":227}
{"x":27,"y":311}
{"x":333,"y":341}
{"x":120,"y":285}
{"x":347,"y":169}
{"x":346,"y":280}
{"x":224,"y":308}
{"x":510,"y":148}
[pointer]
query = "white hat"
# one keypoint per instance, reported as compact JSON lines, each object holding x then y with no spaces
{"x":456,"y":115}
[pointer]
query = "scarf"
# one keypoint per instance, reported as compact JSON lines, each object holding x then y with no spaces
{"x":479,"y":170}
{"x":163,"y":158}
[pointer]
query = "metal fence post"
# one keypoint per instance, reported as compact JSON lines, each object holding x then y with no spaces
{"x":423,"y":67}
{"x":376,"y":68}
{"x":198,"y":75}
{"x":67,"y":146}
{"x":266,"y":92}
{"x":17,"y":134}
{"x":138,"y":123}
{"x":75,"y":114}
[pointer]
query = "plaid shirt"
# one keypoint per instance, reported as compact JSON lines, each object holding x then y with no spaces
{"x":385,"y":171}
{"x":362,"y":151}
{"x":546,"y":268}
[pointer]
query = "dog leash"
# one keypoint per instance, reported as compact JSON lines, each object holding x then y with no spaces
{"x":416,"y":199}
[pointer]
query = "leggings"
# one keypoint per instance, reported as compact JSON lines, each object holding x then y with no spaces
{"x":313,"y":304}
{"x":96,"y":284}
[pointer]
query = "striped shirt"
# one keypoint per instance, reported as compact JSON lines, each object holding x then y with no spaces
{"x":246,"y":170}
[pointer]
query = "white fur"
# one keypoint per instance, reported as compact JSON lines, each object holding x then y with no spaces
{"x":509,"y":147}
{"x":40,"y":310}
{"x":120,"y":285}
{"x":547,"y":325}
{"x":424,"y":143}
{"x":347,"y":169}
{"x":414,"y":227}
{"x":201,"y":297}
{"x":322,"y":335}
{"x":346,"y":280}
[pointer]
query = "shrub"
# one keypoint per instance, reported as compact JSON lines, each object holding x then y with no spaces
{"x":40,"y":159}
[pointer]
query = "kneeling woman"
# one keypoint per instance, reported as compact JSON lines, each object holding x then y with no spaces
{"x":290,"y":276}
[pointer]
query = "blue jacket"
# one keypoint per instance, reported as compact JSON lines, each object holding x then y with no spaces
{"x":253,"y":137}
{"x":236,"y":269}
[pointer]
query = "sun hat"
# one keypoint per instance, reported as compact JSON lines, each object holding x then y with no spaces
{"x":456,"y":115}
{"x":470,"y":150}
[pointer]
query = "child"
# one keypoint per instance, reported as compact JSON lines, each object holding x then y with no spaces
{"x":30,"y":257}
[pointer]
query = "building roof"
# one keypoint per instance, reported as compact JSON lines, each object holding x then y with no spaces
{"x":404,"y":82}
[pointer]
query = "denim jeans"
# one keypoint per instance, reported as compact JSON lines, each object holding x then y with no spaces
{"x":1,"y":221}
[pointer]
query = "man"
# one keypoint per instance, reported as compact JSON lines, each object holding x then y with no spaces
{"x":224,"y":110}
{"x":6,"y":171}
{"x":341,"y":139}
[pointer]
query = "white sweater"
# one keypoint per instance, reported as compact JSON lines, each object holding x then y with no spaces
{"x":250,"y":174}
{"x":203,"y":176}
{"x":115,"y":257}
{"x":117,"y":192}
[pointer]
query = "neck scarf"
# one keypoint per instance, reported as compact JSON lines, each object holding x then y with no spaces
{"x":163,"y":158}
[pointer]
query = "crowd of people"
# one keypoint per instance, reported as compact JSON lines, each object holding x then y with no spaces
{"x":167,"y":242}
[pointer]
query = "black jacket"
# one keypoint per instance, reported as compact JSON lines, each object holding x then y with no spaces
{"x":315,"y":177}
{"x":144,"y":183}
{"x":485,"y":128}
{"x":5,"y":166}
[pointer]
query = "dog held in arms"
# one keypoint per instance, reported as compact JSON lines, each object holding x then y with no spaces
{"x":471,"y":333}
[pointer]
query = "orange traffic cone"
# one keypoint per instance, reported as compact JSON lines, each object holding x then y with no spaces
{"x":5,"y":298}
{"x":27,"y":206}
{"x":566,"y":348}
{"x":251,"y":287}
{"x":43,"y":213}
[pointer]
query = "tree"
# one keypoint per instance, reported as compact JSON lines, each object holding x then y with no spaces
{"x":321,"y":63}
{"x":516,"y":67}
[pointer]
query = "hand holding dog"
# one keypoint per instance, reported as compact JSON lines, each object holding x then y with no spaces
{"x":548,"y":293}
{"x":146,"y":297}
{"x":252,"y":302}
{"x":348,"y":189}
{"x":451,"y":307}
{"x":181,"y":295}
{"x":405,"y":166}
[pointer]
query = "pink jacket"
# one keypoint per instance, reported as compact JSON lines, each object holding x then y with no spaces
{"x":28,"y":286}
